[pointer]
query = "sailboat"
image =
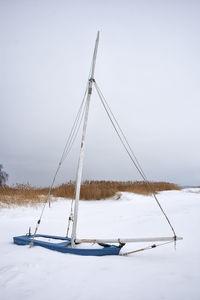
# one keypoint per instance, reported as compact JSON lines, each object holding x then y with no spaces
{"x":71,"y":244}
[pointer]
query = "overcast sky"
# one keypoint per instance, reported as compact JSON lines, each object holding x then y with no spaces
{"x":147,"y":67}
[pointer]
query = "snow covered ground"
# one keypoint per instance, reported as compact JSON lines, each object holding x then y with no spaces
{"x":160,"y":273}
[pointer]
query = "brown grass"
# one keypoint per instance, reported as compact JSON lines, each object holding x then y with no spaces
{"x":24,"y":194}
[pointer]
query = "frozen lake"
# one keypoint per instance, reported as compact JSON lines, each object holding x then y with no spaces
{"x":160,"y":273}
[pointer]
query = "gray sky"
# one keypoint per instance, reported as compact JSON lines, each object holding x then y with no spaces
{"x":147,"y":67}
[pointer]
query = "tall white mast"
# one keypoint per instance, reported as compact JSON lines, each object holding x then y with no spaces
{"x":80,"y":164}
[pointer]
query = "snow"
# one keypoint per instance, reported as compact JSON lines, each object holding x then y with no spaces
{"x":160,"y":273}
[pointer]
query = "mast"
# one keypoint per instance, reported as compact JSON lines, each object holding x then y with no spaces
{"x":80,"y":163}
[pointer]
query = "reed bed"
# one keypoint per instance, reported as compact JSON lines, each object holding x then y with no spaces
{"x":24,"y":194}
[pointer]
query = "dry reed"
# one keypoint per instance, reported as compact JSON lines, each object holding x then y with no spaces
{"x":24,"y":194}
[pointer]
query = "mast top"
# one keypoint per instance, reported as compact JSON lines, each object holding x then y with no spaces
{"x":94,"y":56}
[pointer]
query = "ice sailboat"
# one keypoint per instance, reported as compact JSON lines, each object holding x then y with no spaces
{"x":72,"y":244}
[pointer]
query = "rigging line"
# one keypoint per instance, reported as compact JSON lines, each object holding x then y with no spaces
{"x":136,"y":163}
{"x":69,"y":143}
{"x":70,"y":218}
{"x":75,"y":134}
{"x":136,"y":160}
{"x":72,"y":201}
{"x":117,"y":123}
{"x":141,"y":173}
{"x":78,"y":115}
{"x":132,"y":159}
{"x":71,"y":136}
{"x":70,"y":140}
{"x":73,"y":130}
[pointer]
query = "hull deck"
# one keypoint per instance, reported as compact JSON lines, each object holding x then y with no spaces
{"x":63,"y":244}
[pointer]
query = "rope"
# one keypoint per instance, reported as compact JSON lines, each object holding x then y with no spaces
{"x":117,"y":123}
{"x":70,"y":218}
{"x":146,"y":248}
{"x":67,"y":148}
{"x":129,"y":151}
{"x":74,"y":133}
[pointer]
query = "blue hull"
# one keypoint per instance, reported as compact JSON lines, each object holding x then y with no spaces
{"x":64,"y":246}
